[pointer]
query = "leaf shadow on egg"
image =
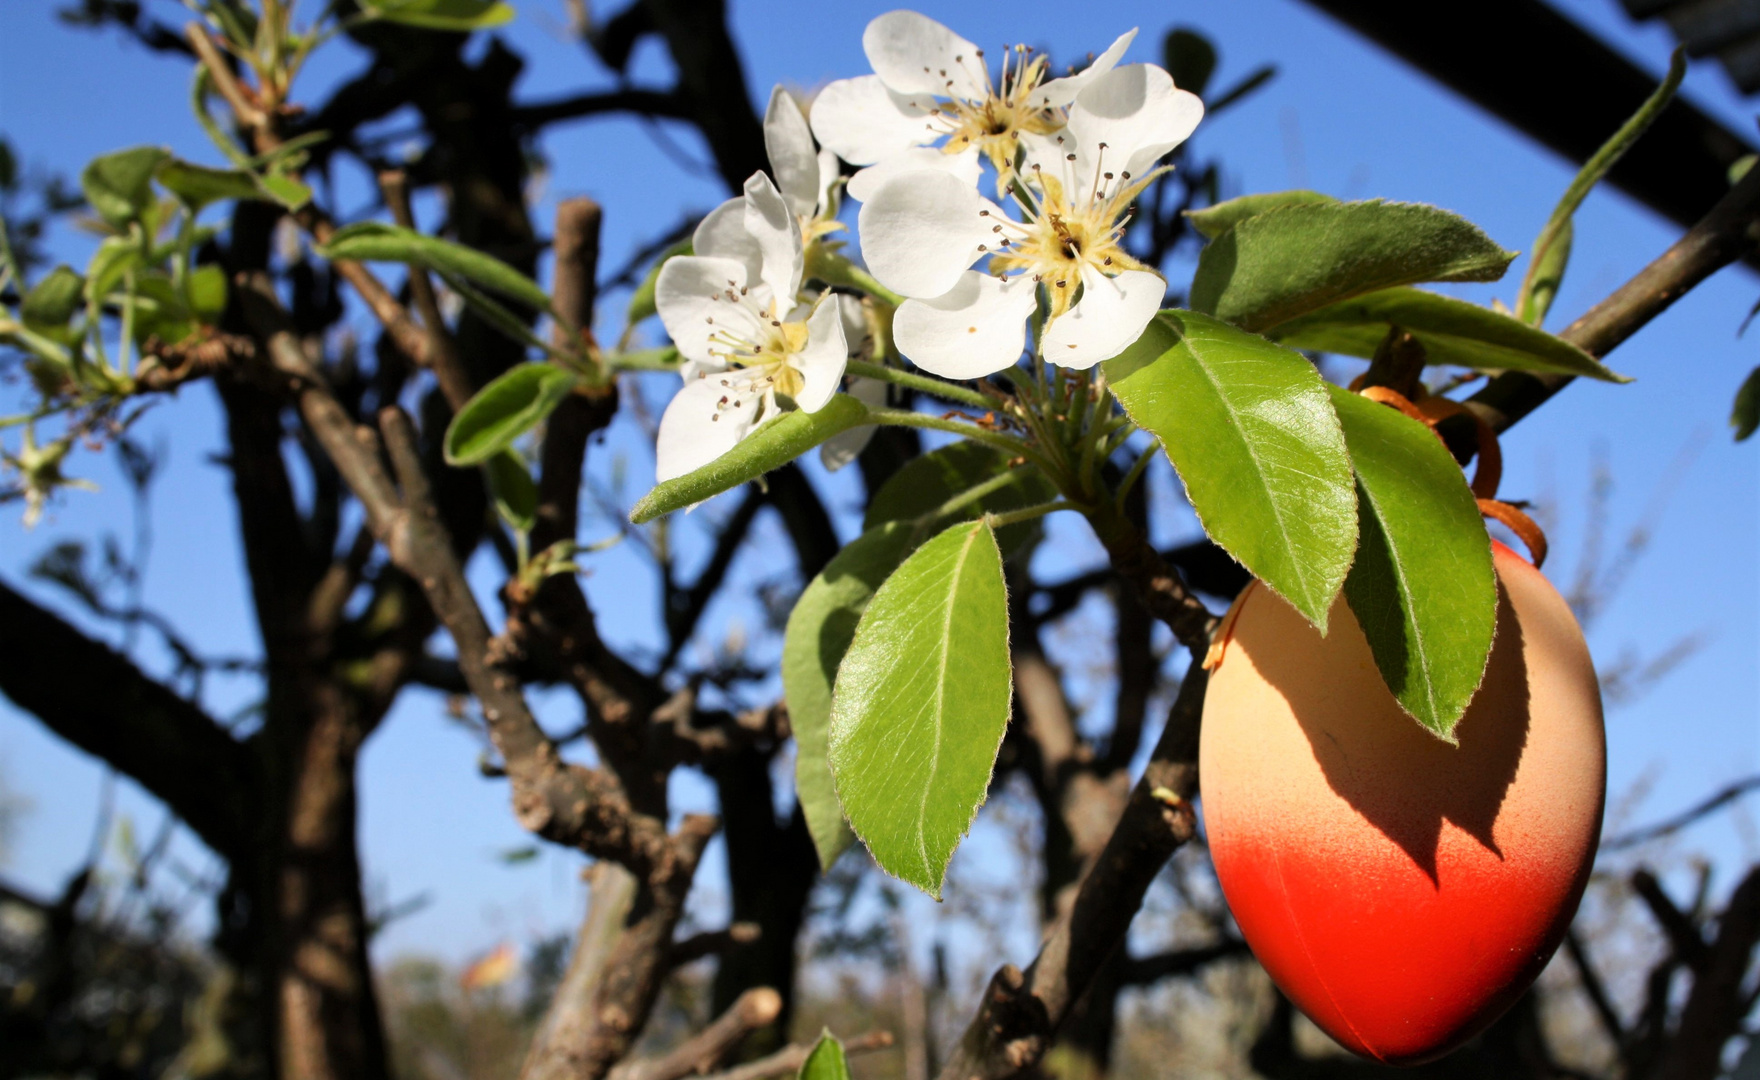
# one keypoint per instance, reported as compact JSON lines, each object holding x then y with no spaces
{"x":1417,"y":780}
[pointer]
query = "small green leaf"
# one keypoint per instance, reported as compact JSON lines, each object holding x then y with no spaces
{"x":921,"y":703}
{"x":826,"y":1062}
{"x":207,"y":292}
{"x":284,"y":189}
{"x":120,"y":186}
{"x":774,"y":443}
{"x":1291,"y":260}
{"x":820,"y":628}
{"x":1546,"y":274}
{"x":1213,"y":221}
{"x":459,"y":15}
{"x":115,"y":257}
{"x":372,"y":241}
{"x":642,"y":305}
{"x":514,"y":492}
{"x":1422,"y":588}
{"x":160,"y":311}
{"x":53,"y":300}
{"x":930,"y":480}
{"x":1452,"y":332}
{"x":1745,"y":415}
{"x":515,"y":402}
{"x":199,"y":185}
{"x":1189,"y":58}
{"x":1250,"y":428}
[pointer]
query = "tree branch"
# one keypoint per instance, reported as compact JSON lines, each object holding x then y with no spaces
{"x":755,"y":1009}
{"x":789,"y":1059}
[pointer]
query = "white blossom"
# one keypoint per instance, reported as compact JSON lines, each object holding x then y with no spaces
{"x":840,"y":450}
{"x":733,"y":310}
{"x":932,"y":104}
{"x":806,"y":175}
{"x":922,"y":231}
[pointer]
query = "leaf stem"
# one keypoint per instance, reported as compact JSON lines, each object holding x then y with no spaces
{"x":938,"y":387}
{"x":1137,"y":469}
{"x":1029,"y":513}
{"x":1018,"y":447}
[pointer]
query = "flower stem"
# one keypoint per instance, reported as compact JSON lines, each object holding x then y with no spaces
{"x":938,"y":387}
{"x":1138,"y":468}
{"x":1017,"y":447}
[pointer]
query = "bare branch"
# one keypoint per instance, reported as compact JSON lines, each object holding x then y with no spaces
{"x":756,"y":1008}
{"x":789,"y":1059}
{"x":1683,"y":819}
{"x":1718,"y":1002}
{"x":713,"y":942}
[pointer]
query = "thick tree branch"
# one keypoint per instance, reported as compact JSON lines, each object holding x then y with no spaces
{"x":1719,"y":1000}
{"x":97,"y":699}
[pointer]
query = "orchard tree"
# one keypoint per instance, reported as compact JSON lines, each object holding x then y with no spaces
{"x":1002,"y":282}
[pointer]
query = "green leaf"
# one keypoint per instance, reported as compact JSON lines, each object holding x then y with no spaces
{"x":52,"y":300}
{"x":921,"y":703}
{"x":642,"y":304}
{"x":774,"y":443}
{"x":120,"y":186}
{"x":372,"y":241}
{"x":199,"y":185}
{"x":460,"y":15}
{"x":1213,"y":221}
{"x":1288,"y":261}
{"x":115,"y":257}
{"x":159,"y":310}
{"x":207,"y":292}
{"x":1189,"y":58}
{"x":517,"y":400}
{"x":1250,"y":428}
{"x":285,"y":190}
{"x":1423,"y":588}
{"x":1546,"y":274}
{"x":930,"y":480}
{"x":1745,"y":415}
{"x":1452,"y":332}
{"x":826,"y":1062}
{"x":512,"y":487}
{"x":820,"y":628}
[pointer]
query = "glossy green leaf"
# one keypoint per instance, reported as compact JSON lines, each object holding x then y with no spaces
{"x":642,"y":305}
{"x":820,"y":628}
{"x":53,"y":299}
{"x":514,"y":403}
{"x":1745,"y":415}
{"x":1213,"y":221}
{"x":1288,"y":261}
{"x":775,"y":443}
{"x":1189,"y":58}
{"x":120,"y":186}
{"x":826,"y":1062}
{"x":459,"y":15}
{"x":373,"y":241}
{"x":1250,"y":428}
{"x":930,"y":480}
{"x":1452,"y":332}
{"x":199,"y":185}
{"x":921,"y":703}
{"x":512,"y":488}
{"x":1422,"y":588}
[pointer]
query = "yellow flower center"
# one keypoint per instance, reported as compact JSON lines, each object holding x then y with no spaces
{"x":994,"y":125}
{"x":1068,"y":235}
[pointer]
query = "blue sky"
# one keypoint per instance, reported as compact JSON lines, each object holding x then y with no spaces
{"x":1340,"y":117}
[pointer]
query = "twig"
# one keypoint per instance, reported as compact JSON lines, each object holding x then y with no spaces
{"x":449,"y":369}
{"x":713,"y":942}
{"x":790,"y":1058}
{"x":754,"y":1009}
{"x":1595,"y":989}
{"x":1684,"y":818}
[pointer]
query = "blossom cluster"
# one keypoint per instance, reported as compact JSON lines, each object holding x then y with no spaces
{"x":1070,"y":156}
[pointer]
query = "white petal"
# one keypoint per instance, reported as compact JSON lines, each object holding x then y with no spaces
{"x":864,"y":122}
{"x":829,"y":173}
{"x":821,"y":362}
{"x":965,"y":166}
{"x":977,"y":329}
{"x":856,"y":334}
{"x":1136,"y":111}
{"x":690,"y":436}
{"x":722,"y":234}
{"x":691,"y":294}
{"x":922,"y":229}
{"x":914,"y":54}
{"x":1056,"y":93}
{"x":793,"y":158}
{"x":778,"y":234}
{"x":840,"y":450}
{"x":1106,"y":321}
